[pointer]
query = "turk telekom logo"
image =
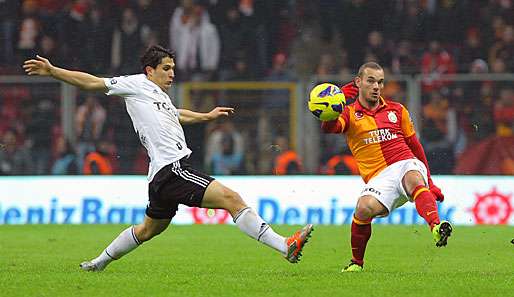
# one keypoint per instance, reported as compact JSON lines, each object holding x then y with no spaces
{"x":209,"y":216}
{"x":492,"y":208}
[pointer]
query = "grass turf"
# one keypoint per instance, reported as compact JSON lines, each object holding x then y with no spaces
{"x":42,"y":260}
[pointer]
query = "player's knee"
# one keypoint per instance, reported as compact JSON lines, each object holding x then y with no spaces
{"x":364,"y":212}
{"x":232,"y":200}
{"x":145,"y":233}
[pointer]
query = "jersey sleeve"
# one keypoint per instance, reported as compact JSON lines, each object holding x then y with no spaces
{"x":407,"y":125}
{"x":120,"y":86}
{"x":344,"y":119}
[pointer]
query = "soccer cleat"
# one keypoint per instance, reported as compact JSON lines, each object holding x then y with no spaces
{"x":441,"y":232}
{"x":90,"y":266}
{"x":353,"y":267}
{"x":296,"y":242}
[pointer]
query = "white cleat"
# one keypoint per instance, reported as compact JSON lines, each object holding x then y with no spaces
{"x":90,"y":266}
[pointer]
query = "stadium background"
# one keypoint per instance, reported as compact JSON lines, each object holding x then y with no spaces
{"x":450,"y":62}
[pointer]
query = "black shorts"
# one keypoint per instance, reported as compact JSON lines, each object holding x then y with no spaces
{"x":176,"y":183}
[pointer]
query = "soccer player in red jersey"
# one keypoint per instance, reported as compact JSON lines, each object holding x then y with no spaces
{"x":390,"y":158}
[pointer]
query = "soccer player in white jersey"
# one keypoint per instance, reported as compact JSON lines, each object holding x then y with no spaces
{"x":171,"y":180}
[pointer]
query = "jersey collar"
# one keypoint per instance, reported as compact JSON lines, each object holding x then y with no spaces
{"x":154,"y":85}
{"x":359,"y":107}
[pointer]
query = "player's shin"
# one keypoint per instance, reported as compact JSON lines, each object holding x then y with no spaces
{"x":248,"y":221}
{"x":426,"y":205}
{"x":361,"y":232}
{"x":122,"y":245}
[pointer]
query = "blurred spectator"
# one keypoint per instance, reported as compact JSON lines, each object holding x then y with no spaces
{"x":8,"y":13}
{"x":240,"y":72}
{"x":445,"y":17}
{"x":439,"y":133}
{"x":48,"y":49}
{"x":14,"y":158}
{"x":498,"y":66}
{"x":232,"y":41}
{"x":225,"y":147}
{"x":281,"y":27}
{"x":354,"y":30}
{"x":195,"y":40}
{"x":253,"y":20}
{"x":98,"y":41}
{"x":305,"y":52}
{"x":29,"y":30}
{"x":329,"y":16}
{"x":478,"y":66}
{"x":434,"y":63}
{"x":378,"y":48}
{"x":472,"y":50}
{"x":480,"y":114}
{"x":342,"y":164}
{"x":287,"y":161}
{"x":99,"y":162}
{"x":412,"y":22}
{"x":75,"y":29}
{"x":148,"y":12}
{"x":278,"y":99}
{"x":122,"y":134}
{"x":38,"y":129}
{"x":66,"y":160}
{"x":227,"y":162}
{"x":127,"y":43}
{"x":327,"y":65}
{"x":504,"y":49}
{"x":504,"y":112}
{"x":89,"y":122}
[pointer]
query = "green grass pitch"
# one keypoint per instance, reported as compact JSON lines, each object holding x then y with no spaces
{"x":42,"y":260}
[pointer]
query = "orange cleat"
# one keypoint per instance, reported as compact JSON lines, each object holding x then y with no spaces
{"x":296,"y":242}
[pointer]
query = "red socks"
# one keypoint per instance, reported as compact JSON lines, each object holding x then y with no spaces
{"x":361,"y":232}
{"x":426,"y":205}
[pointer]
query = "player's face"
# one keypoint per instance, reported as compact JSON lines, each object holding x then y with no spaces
{"x":163,"y":74}
{"x":370,"y":85}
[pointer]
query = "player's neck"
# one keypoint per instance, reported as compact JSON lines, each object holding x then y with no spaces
{"x":368,"y":105}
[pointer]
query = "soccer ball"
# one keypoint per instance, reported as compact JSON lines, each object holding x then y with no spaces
{"x":326,"y":101}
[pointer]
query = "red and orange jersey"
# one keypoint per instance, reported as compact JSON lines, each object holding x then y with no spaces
{"x":377,"y":138}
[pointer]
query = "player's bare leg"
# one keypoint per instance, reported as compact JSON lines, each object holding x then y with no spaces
{"x":367,"y":208}
{"x":426,"y":206}
{"x":248,"y":221}
{"x":128,"y":240}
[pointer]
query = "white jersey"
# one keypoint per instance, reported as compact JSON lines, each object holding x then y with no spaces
{"x":155,"y":119}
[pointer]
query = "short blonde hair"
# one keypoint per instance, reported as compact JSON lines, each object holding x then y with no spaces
{"x":372,"y":65}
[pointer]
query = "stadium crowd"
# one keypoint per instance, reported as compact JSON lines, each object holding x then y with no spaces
{"x":253,"y":40}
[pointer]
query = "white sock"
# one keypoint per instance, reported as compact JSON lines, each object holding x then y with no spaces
{"x":122,"y":245}
{"x":252,"y":224}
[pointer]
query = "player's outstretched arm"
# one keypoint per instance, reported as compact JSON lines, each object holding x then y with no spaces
{"x":42,"y":66}
{"x":190,"y":117}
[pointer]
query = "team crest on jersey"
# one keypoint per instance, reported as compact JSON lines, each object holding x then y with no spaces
{"x":392,"y":117}
{"x":358,"y":115}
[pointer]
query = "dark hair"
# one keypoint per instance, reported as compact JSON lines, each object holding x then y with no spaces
{"x":372,"y":65}
{"x":153,"y":56}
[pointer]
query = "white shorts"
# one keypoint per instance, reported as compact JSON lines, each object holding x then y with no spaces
{"x":387,"y":185}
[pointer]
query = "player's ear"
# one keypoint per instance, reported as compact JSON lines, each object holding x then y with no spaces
{"x":149,"y":70}
{"x":357,"y":80}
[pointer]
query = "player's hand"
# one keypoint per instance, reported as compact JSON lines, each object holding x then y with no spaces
{"x":436,"y":191}
{"x":350,"y":90}
{"x":38,"y":66}
{"x":220,"y":111}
